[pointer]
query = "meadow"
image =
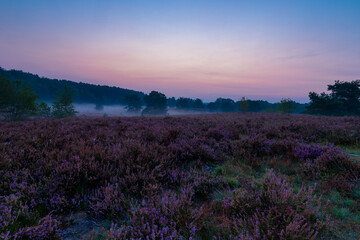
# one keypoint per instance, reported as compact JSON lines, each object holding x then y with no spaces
{"x":210,"y":176}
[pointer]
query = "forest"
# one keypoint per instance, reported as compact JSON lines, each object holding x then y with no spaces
{"x":46,"y":90}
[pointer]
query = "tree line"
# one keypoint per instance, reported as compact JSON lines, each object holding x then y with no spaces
{"x":46,"y":89}
{"x":343,"y":99}
{"x":18,"y":101}
{"x":156,"y":103}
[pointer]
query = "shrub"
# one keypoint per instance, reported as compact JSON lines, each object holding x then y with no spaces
{"x":108,"y":202}
{"x":169,"y":217}
{"x":274,"y":211}
{"x":62,"y":106}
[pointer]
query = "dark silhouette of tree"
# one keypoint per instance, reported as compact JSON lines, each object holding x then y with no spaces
{"x":190,"y":104}
{"x":183,"y":103}
{"x":244,"y":105}
{"x":348,"y":93}
{"x":212,"y":107}
{"x":344,"y":99}
{"x":198,"y":104}
{"x":225,"y":104}
{"x":155,"y":104}
{"x":17,"y":101}
{"x":133,"y":103}
{"x":47,"y":89}
{"x":62,"y":106}
{"x":171,"y":102}
{"x":286,"y":105}
{"x":43,"y":110}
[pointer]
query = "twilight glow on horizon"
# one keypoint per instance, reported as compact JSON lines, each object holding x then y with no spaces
{"x":259,"y":49}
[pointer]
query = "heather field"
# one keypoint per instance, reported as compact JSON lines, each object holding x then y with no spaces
{"x":211,"y":176}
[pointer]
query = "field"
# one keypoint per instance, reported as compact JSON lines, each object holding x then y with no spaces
{"x":211,"y":176}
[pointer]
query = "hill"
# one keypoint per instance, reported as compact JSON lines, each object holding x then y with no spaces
{"x":46,"y":88}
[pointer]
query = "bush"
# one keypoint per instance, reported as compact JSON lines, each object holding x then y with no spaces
{"x":273,"y":211}
{"x":108,"y":202}
{"x":329,"y":164}
{"x":170,"y":217}
{"x":62,"y":106}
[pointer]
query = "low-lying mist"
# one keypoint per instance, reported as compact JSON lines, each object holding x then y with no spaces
{"x":88,"y":109}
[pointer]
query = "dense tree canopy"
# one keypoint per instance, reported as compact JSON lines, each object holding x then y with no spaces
{"x":156,"y":104}
{"x":17,"y":101}
{"x":47,"y":89}
{"x":343,"y":99}
{"x":133,"y":103}
{"x":189,"y":104}
{"x":225,"y":105}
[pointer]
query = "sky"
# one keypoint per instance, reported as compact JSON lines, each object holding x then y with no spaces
{"x":259,"y":49}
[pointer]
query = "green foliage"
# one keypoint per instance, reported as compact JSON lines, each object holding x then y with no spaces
{"x":286,"y":105}
{"x":133,"y":103}
{"x":17,"y":101}
{"x":155,"y":104}
{"x":43,"y":110}
{"x":62,"y":106}
{"x":344,"y":99}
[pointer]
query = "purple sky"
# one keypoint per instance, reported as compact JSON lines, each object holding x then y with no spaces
{"x":208,"y":49}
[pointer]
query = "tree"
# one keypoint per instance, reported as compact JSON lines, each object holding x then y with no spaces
{"x":17,"y":100}
{"x":198,"y":104}
{"x":324,"y":104}
{"x":43,"y":110}
{"x":348,"y":93}
{"x":183,"y":103}
{"x":171,"y":102}
{"x":344,"y":99}
{"x":62,"y":106}
{"x":155,"y":104}
{"x":86,"y":93}
{"x":211,"y":107}
{"x":133,"y":103}
{"x":286,"y":105}
{"x":225,"y":104}
{"x":244,"y":105}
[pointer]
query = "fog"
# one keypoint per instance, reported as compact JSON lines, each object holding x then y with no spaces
{"x":88,"y":109}
{"x":107,"y":110}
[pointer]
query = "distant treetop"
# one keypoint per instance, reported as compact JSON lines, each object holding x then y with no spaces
{"x":47,"y":88}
